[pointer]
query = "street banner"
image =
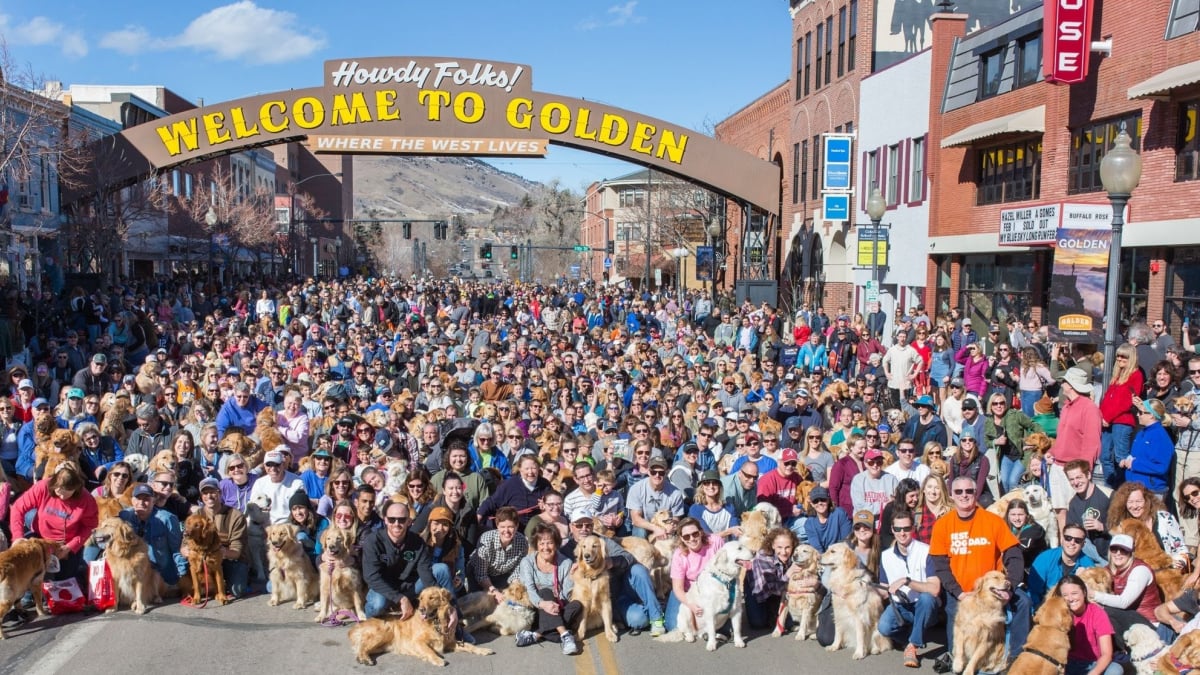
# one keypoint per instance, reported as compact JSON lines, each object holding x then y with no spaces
{"x":704,"y":263}
{"x":1077,"y":285}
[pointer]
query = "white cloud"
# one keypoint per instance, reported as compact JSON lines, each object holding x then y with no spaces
{"x":43,"y":31}
{"x":238,"y":31}
{"x":129,"y":40}
{"x":615,"y":17}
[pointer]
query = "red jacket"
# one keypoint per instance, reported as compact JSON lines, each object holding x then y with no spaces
{"x":1117,"y":405}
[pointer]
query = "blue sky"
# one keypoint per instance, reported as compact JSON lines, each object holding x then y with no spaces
{"x":691,"y":63}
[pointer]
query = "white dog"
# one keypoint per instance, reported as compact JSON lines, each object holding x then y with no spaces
{"x":1038,"y":503}
{"x":1145,"y":648}
{"x":772,"y":514}
{"x":718,"y":592}
{"x":258,"y":517}
{"x":397,"y":475}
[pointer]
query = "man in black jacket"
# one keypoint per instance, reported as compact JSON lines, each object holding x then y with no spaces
{"x":397,"y":564}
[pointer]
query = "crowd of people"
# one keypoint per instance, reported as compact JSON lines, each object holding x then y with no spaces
{"x":469,"y":434}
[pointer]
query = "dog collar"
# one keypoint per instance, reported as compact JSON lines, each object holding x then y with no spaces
{"x":1183,"y":668}
{"x":731,"y":585}
{"x":1057,"y":664}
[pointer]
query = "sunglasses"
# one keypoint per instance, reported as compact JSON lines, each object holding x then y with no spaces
{"x":272,"y":465}
{"x":906,"y":528}
{"x":1073,"y":540}
{"x":119,"y":474}
{"x":234,"y":467}
{"x":1193,"y":493}
{"x":1118,"y":549}
{"x":906,"y":450}
{"x":397,"y":520}
{"x":658,"y":472}
{"x":964,"y":491}
{"x":690,"y":536}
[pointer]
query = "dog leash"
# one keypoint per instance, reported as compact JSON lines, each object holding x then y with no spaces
{"x":186,"y":601}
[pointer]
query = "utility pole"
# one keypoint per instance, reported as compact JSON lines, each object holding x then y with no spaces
{"x":649,"y":187}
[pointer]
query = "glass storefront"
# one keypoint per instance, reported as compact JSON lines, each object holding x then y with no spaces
{"x":1134,"y":293}
{"x":995,"y":287}
{"x":1183,"y":289}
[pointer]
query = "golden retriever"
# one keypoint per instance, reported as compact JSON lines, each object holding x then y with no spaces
{"x":754,"y":530}
{"x":341,"y":583}
{"x":801,"y":495}
{"x":163,"y":460}
{"x":591,"y":587}
{"x":205,"y":578}
{"x":1145,"y":649}
{"x":1146,"y":548}
{"x":239,"y":443}
{"x":424,"y":635}
{"x":292,"y":575}
{"x":134,"y":578}
{"x":1097,"y":579}
{"x":1183,"y":656}
{"x":801,"y":604}
{"x":118,"y":410}
{"x":23,"y":568}
{"x":655,"y":562}
{"x":979,"y":625}
{"x":63,"y":446}
{"x":856,"y":605}
{"x":481,"y":611}
{"x":718,"y":592}
{"x":1046,"y":648}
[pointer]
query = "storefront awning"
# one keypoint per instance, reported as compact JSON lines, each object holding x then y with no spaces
{"x":1025,"y":121}
{"x":1171,"y":78}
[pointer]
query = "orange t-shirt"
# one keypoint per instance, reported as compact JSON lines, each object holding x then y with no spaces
{"x":974,"y":546}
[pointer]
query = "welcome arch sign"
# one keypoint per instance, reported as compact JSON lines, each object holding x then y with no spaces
{"x":440,"y":106}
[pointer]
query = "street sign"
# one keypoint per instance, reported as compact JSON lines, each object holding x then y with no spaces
{"x":574,"y":271}
{"x":868,"y":249}
{"x":839,"y":153}
{"x":582,"y":249}
{"x":836,"y":207}
{"x":872,"y":291}
{"x":607,"y":263}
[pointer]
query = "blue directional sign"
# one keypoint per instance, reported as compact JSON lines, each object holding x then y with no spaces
{"x":839,"y":153}
{"x":836,"y":207}
{"x":607,"y":263}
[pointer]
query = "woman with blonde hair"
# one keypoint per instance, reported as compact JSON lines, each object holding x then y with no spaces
{"x":1116,"y":413}
{"x":1035,"y":376}
{"x":935,"y":503}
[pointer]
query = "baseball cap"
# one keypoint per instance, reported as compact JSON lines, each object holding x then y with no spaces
{"x":1123,"y":541}
{"x":994,"y":328}
{"x":658,"y":463}
{"x":441,"y":513}
{"x":25,"y":384}
{"x":99,"y":358}
{"x":966,"y":322}
{"x":583,"y":513}
{"x":39,"y":402}
{"x":957,"y":382}
{"x":925,"y":401}
{"x":145,"y":411}
{"x":273,"y":457}
{"x":873,"y":453}
{"x":142,"y":490}
{"x":970,"y":403}
{"x":802,"y":393}
{"x":788,"y":455}
{"x":710,"y":476}
{"x":322,"y":453}
{"x":864,"y":517}
{"x":818,"y":493}
{"x":210,"y":483}
{"x":732,"y":415}
{"x":74,"y":392}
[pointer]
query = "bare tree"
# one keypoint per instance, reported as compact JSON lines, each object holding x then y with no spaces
{"x":231,"y":215}
{"x":30,"y":121}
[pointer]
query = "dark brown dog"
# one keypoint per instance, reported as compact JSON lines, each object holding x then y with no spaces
{"x":203,"y":546}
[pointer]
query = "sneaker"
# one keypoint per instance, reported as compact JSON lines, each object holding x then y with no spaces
{"x":569,"y":646}
{"x":910,"y":657}
{"x":526,"y":638}
{"x":657,"y":628}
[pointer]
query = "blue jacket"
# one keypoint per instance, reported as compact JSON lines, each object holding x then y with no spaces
{"x":935,"y":431}
{"x":836,"y":529}
{"x":499,"y":461}
{"x":233,"y":416}
{"x":163,"y":536}
{"x":1153,"y":453}
{"x":1047,"y":570}
{"x":25,"y":450}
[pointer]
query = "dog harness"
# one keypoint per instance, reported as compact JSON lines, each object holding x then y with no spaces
{"x":1058,"y":665}
{"x":1183,"y":668}
{"x":730,"y":584}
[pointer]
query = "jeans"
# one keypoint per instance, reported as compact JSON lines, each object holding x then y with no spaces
{"x":1020,"y":618}
{"x":633,"y":598}
{"x":1083,"y":668}
{"x":1028,"y":398}
{"x":898,"y":618}
{"x":376,"y":604}
{"x":796,"y":525}
{"x":671,"y":619}
{"x":1114,"y":447}
{"x":1011,"y":471}
{"x":762,"y":614}
{"x":237,"y":576}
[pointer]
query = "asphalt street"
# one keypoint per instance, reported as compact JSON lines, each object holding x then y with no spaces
{"x":249,"y":636}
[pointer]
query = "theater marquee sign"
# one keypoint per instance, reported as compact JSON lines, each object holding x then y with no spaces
{"x":443,"y":106}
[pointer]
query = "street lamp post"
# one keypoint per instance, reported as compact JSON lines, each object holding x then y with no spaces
{"x":210,"y":218}
{"x":712,"y":232}
{"x":1120,"y":173}
{"x":876,"y":207}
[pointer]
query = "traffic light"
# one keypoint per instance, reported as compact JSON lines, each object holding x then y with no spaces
{"x":407,"y":229}
{"x":485,"y":251}
{"x":610,"y":247}
{"x":512,"y":252}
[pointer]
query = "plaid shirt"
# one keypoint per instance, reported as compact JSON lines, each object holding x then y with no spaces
{"x":491,"y":559}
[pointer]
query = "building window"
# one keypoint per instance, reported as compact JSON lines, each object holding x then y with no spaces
{"x":853,"y":30}
{"x":631,"y":197}
{"x":872,"y":171}
{"x":795,"y":172}
{"x":1029,"y":55}
{"x":893,"y":175}
{"x":1010,"y":173}
{"x":1088,"y":145}
{"x":991,"y":69}
{"x":807,"y":61}
{"x":828,"y":50}
{"x":804,"y":170}
{"x":995,"y":287}
{"x":1182,"y":292}
{"x":1187,"y":152}
{"x":816,"y":167}
{"x":841,"y":41}
{"x":916,"y":177}
{"x":800,"y":68}
{"x":817,"y":55}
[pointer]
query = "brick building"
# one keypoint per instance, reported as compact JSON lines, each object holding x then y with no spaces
{"x":1003,"y":138}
